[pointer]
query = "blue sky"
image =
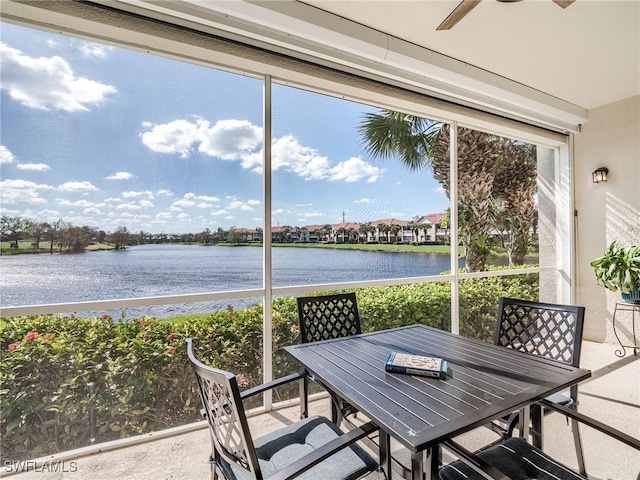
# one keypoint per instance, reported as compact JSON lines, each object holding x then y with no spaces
{"x":108,"y":137}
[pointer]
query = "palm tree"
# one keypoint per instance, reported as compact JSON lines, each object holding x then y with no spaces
{"x":415,"y":229}
{"x":383,"y":228}
{"x":364,"y":230}
{"x":422,"y":143}
{"x":303,"y":234}
{"x":394,"y":228}
{"x":516,"y":183}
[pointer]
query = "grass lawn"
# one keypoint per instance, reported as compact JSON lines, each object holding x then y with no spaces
{"x":377,"y":247}
{"x":26,"y":246}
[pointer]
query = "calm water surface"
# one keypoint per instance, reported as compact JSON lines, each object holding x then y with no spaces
{"x":152,"y":270}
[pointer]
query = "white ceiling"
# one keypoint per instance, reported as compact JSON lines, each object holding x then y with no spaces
{"x":529,"y":60}
{"x":587,"y":54}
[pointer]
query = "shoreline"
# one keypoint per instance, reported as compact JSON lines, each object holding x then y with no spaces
{"x":375,"y":247}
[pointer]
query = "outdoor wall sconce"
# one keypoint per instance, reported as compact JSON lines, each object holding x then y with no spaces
{"x":600,"y":174}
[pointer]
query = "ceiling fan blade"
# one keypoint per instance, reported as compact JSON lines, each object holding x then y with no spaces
{"x":563,"y":3}
{"x":458,"y":14}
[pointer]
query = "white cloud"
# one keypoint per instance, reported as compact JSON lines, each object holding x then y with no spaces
{"x":219,"y":212}
{"x":14,"y":191}
{"x":184,"y":203}
{"x":164,"y":215}
{"x":230,"y":139}
{"x":121,"y":176}
{"x":78,"y":203}
{"x":307,"y":162}
{"x":129,"y":206}
{"x":245,"y":206}
{"x":9,"y":212}
{"x":174,"y":137}
{"x":5,"y":155}
{"x":95,"y":50}
{"x":192,"y":200}
{"x":132,"y":194}
{"x":206,"y":198}
{"x":235,"y":204}
{"x":227,"y":139}
{"x":49,"y":213}
{"x":184,"y":216}
{"x":355,"y":169}
{"x":145,"y":204}
{"x":48,"y":83}
{"x":363,"y":200}
{"x":241,"y":140}
{"x":165,"y":193}
{"x":288,"y":154}
{"x":92,"y":211}
{"x":78,"y":187}
{"x":35,"y":167}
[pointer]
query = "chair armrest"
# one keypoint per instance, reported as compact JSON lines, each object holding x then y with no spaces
{"x":299,"y":467}
{"x":272,"y":384}
{"x":595,"y":424}
{"x":476,"y":463}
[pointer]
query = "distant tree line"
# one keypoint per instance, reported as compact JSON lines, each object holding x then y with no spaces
{"x":62,"y":236}
{"x":65,"y":237}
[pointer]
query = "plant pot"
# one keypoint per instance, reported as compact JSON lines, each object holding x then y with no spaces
{"x":632,"y":297}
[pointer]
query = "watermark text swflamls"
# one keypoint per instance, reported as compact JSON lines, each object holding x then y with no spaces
{"x":48,"y":466}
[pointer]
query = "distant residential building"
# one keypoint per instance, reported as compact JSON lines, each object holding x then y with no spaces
{"x":430,"y":229}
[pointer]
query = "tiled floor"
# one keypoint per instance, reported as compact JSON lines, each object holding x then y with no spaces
{"x":612,"y":395}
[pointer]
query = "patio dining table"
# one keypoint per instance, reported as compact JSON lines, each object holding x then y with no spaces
{"x":483,"y":383}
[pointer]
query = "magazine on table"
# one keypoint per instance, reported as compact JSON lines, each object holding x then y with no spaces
{"x":398,"y":362}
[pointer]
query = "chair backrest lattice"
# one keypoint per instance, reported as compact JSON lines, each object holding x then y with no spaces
{"x":544,"y":329}
{"x":225,"y":414}
{"x":328,"y":316}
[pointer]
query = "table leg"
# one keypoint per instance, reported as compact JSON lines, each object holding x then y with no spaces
{"x":304,"y":396}
{"x":523,"y":422}
{"x":384,"y":441}
{"x":536,"y":425}
{"x":417,"y":466}
{"x":431,"y":458}
{"x":434,"y":461}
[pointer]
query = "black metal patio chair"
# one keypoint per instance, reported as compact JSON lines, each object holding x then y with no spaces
{"x":547,"y":330}
{"x":312,"y":448}
{"x":516,"y":459}
{"x":326,"y":317}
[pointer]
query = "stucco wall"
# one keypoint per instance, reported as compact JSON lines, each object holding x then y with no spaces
{"x":606,"y":211}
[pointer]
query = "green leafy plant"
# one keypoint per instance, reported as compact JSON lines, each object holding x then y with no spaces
{"x":619,"y":268}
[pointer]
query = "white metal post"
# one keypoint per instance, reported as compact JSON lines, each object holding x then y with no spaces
{"x":267,"y":340}
{"x":453,"y":224}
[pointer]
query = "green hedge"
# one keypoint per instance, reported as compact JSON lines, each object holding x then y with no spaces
{"x":143,"y":381}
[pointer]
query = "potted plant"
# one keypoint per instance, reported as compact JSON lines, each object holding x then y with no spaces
{"x":619,"y":270}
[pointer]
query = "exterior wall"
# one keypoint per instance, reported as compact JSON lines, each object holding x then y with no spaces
{"x":606,"y":211}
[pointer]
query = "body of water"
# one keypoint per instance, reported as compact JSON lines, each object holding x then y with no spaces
{"x":153,"y":270}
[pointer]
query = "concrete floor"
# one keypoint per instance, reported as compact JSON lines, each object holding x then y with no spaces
{"x":612,"y":395}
